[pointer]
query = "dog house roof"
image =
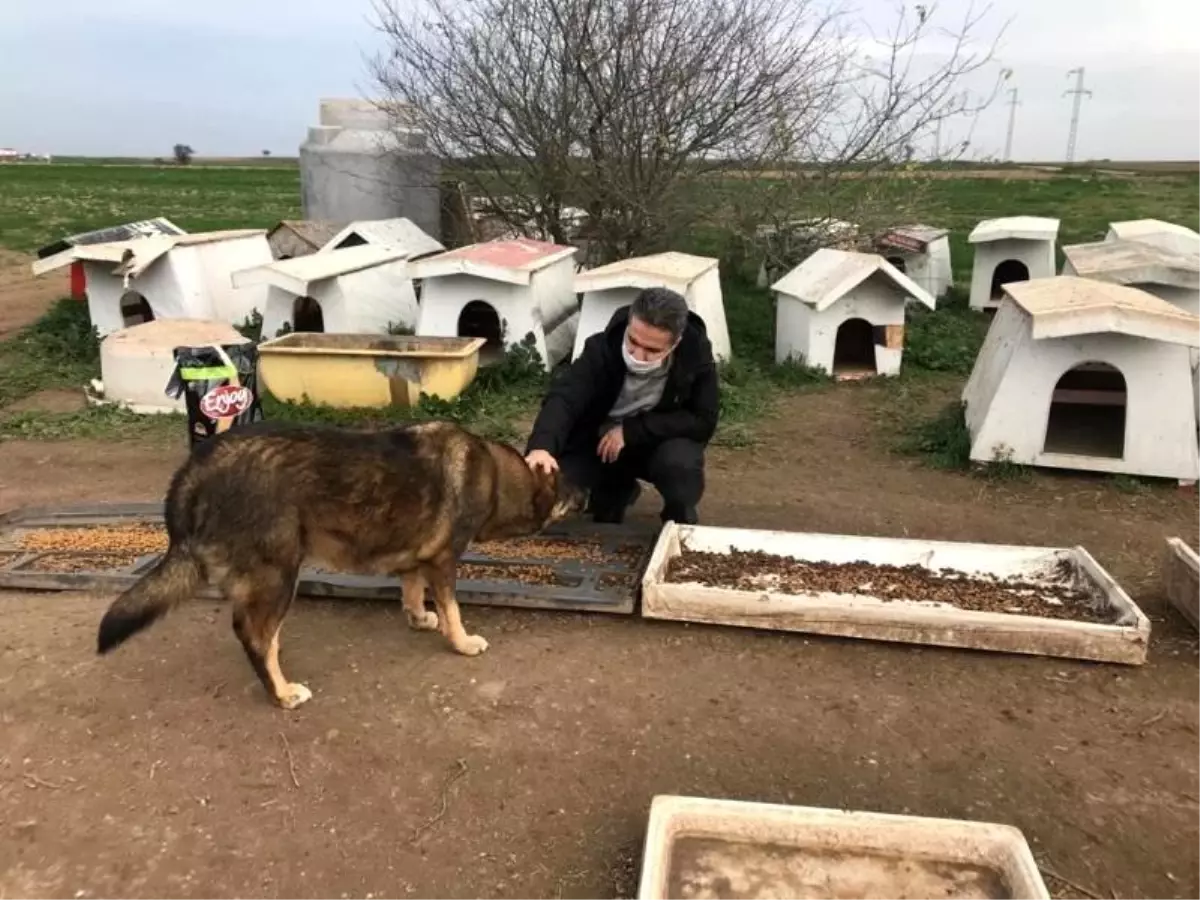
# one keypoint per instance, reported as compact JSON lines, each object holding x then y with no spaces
{"x":1015,"y":228}
{"x":1166,"y":235}
{"x":315,"y":232}
{"x":511,"y":261}
{"x":677,"y":270}
{"x":1134,"y":262}
{"x":297,"y":275}
{"x":828,"y":275}
{"x":912,"y":238}
{"x":400,"y":233}
{"x":1068,"y":306}
{"x":143,"y":251}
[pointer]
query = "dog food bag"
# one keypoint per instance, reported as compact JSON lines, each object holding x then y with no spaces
{"x":219,"y":384}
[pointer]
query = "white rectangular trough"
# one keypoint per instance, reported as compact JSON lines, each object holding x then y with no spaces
{"x":910,"y":619}
{"x":697,"y":847}
{"x":1181,"y":579}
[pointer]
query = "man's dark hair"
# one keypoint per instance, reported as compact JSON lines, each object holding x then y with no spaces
{"x":661,"y":308}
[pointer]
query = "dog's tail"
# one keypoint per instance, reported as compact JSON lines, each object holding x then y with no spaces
{"x":173,"y":580}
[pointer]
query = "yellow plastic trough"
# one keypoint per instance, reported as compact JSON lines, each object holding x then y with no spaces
{"x":355,"y":370}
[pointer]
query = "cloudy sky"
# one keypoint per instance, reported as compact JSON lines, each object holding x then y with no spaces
{"x":234,"y":77}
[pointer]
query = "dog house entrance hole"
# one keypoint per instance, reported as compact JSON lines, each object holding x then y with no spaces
{"x":135,"y":309}
{"x":307,"y":315}
{"x":1007,"y":272}
{"x":480,"y":319}
{"x":1087,"y":413}
{"x":898,"y":262}
{"x":854,"y":349}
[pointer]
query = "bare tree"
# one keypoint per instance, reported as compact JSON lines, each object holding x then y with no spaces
{"x":655,"y":116}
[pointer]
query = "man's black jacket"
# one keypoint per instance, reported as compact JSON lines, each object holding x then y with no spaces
{"x":581,"y":397}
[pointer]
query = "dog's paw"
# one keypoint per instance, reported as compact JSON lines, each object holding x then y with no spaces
{"x":426,"y":620}
{"x":471,"y":645}
{"x":294,"y":695}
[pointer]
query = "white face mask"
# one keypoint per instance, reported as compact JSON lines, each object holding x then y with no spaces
{"x":639,"y":366}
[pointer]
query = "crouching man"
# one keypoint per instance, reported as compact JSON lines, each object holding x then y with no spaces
{"x":640,"y":402}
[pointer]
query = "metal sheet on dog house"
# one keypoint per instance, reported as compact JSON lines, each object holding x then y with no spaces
{"x":1082,"y":374}
{"x":702,"y":847}
{"x":1008,"y":250}
{"x":609,"y":288}
{"x":922,"y":252}
{"x":844,"y":312}
{"x":505,"y":291}
{"x":578,"y":566}
{"x":1043,"y":601}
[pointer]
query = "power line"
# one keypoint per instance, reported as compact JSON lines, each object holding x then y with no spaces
{"x":1013,"y":103}
{"x":1079,"y":91}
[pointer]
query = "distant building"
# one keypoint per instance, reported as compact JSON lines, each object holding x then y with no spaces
{"x":7,"y":153}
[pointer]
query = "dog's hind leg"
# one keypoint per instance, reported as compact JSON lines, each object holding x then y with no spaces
{"x":260,"y":602}
{"x":440,"y":573}
{"x":419,"y":617}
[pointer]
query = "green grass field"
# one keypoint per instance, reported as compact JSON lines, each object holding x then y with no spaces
{"x":39,"y":203}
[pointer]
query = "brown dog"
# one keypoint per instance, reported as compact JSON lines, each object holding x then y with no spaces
{"x":251,"y":505}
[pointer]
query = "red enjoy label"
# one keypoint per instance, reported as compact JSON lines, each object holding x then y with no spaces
{"x":226,"y":401}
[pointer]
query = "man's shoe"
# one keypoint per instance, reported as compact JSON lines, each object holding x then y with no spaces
{"x":608,"y":513}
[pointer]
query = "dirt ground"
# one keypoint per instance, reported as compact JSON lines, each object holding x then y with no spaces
{"x":529,"y":771}
{"x":24,"y":298}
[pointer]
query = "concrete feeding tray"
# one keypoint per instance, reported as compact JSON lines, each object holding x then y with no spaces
{"x":1034,"y":600}
{"x":1181,"y":579}
{"x":732,"y":849}
{"x":108,"y":547}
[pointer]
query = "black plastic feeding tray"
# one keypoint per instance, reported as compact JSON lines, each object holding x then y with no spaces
{"x":604,"y":576}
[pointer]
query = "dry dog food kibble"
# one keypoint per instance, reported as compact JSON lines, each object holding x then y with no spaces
{"x":522,"y":574}
{"x":69,"y":561}
{"x":586,"y":550}
{"x":134,"y":539}
{"x":757,"y":571}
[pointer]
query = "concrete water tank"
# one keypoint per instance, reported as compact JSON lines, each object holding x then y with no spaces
{"x":358,"y":163}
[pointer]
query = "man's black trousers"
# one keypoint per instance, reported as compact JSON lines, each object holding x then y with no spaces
{"x":675,"y":467}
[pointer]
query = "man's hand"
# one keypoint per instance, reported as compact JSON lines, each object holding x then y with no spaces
{"x":611,"y":444}
{"x":540,"y":460}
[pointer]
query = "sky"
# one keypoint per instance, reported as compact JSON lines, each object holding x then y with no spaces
{"x":235,"y":77}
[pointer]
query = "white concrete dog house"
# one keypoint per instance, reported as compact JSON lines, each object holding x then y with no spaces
{"x":1154,"y":268}
{"x":843,"y":312}
{"x":393,"y":234}
{"x":186,"y":276}
{"x":611,"y":287}
{"x":502,"y":291}
{"x":1165,"y":235}
{"x":300,"y":237}
{"x":921,"y":252}
{"x":1175,"y":277}
{"x":359,"y":290}
{"x":1007,"y":250}
{"x":1081,"y":374}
